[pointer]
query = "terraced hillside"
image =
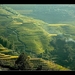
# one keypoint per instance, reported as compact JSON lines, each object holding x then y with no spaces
{"x":26,"y":33}
{"x":32,"y":36}
{"x":3,"y":54}
{"x":47,"y":65}
{"x":9,"y":60}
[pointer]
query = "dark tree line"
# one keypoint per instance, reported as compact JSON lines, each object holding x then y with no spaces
{"x":5,"y":42}
{"x":64,"y":52}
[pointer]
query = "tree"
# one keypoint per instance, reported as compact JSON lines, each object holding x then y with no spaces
{"x":23,"y":63}
{"x":5,"y":42}
{"x":39,"y":67}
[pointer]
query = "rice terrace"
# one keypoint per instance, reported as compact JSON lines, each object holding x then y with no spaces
{"x":37,"y":37}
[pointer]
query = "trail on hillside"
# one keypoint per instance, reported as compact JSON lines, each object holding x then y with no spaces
{"x":17,"y":36}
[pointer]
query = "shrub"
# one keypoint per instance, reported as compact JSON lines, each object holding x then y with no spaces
{"x":23,"y":63}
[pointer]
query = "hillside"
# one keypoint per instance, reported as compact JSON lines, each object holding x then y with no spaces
{"x":47,"y":65}
{"x":24,"y":31}
{"x":37,"y":38}
{"x":7,"y":61}
{"x":5,"y":65}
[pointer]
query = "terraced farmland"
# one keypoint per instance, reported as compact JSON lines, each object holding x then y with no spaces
{"x":47,"y":65}
{"x":5,"y":56}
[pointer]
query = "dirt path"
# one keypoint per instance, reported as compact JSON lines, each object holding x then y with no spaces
{"x":17,"y":36}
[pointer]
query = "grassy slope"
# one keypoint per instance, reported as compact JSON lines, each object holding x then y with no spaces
{"x":47,"y":65}
{"x":61,"y":29}
{"x":32,"y":32}
{"x":36,"y":34}
{"x":29,"y":30}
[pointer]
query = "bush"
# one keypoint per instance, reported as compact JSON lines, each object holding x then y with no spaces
{"x":23,"y":63}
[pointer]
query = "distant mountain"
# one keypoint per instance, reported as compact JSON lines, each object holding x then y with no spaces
{"x":51,"y":13}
